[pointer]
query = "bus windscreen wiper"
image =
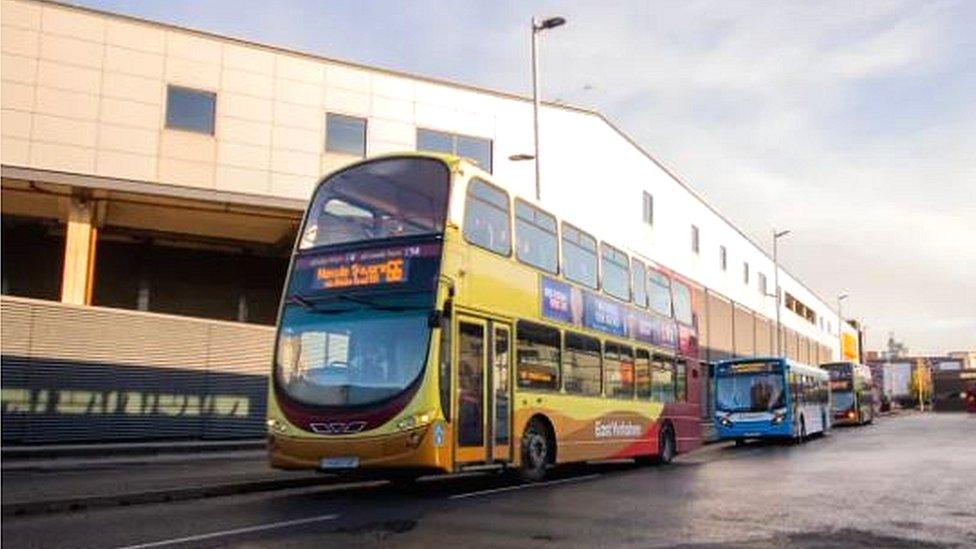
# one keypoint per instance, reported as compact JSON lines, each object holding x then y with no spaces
{"x":376,"y":306}
{"x":310,"y":305}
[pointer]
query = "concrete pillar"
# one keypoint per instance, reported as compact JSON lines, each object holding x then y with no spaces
{"x":79,"y":253}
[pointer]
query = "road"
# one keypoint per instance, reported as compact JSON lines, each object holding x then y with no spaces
{"x":904,"y":482}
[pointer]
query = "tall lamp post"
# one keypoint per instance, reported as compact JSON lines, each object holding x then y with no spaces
{"x":840,"y":322}
{"x":776,"y":236}
{"x":537,"y":27}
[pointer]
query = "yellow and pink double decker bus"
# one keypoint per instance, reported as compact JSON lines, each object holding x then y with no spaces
{"x":433,"y":323}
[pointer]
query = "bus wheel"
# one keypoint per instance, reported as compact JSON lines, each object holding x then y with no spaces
{"x":740,"y":442}
{"x":666,"y":447}
{"x":802,"y":435}
{"x":536,"y":451}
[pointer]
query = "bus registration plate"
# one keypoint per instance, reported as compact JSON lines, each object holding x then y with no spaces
{"x":332,"y":463}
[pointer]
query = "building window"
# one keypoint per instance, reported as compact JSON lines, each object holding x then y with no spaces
{"x":762,"y":285}
{"x":190,"y":110}
{"x":745,"y":272}
{"x":535,"y":237}
{"x":648,"y":208}
{"x":486,"y":218}
{"x":694,"y":239}
{"x":616,"y":272}
{"x":723,"y":258}
{"x":345,"y":134}
{"x":476,"y":149}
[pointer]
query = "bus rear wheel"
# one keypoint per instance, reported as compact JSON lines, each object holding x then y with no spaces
{"x":536,"y":451}
{"x":666,"y":446}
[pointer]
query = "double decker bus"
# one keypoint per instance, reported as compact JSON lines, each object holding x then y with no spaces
{"x":432,"y":323}
{"x":770,"y":398}
{"x":851,"y":392}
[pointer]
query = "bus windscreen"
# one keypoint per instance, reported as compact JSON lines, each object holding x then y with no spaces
{"x":750,"y":392}
{"x":392,"y":198}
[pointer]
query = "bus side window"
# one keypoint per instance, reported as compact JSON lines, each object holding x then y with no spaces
{"x":486,"y":218}
{"x":581,"y":365}
{"x":682,"y":303}
{"x":659,"y":292}
{"x":619,"y":371}
{"x":642,"y":374}
{"x":537,"y":356}
{"x":680,"y":381}
{"x":579,"y":256}
{"x":615,"y":267}
{"x":639,"y":282}
{"x":535,"y":237}
{"x":662,"y":379}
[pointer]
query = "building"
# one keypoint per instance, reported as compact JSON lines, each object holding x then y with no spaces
{"x":153,"y":178}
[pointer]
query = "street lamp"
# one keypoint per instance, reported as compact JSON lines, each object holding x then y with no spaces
{"x":537,"y":27}
{"x":840,"y":330}
{"x":776,"y":236}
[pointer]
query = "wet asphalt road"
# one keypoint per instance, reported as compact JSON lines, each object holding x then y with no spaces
{"x":906,"y":481}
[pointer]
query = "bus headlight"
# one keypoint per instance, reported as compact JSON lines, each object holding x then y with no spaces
{"x":778,"y":416}
{"x":275,"y":426}
{"x":724,"y":420}
{"x":416,"y":420}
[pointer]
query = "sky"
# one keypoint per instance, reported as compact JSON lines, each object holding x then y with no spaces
{"x":851,"y":123}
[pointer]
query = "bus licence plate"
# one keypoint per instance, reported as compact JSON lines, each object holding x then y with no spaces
{"x":339,"y":463}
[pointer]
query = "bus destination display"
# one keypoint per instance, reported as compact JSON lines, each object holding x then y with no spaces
{"x":367,"y":268}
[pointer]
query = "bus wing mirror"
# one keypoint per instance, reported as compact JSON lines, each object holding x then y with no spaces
{"x":434,"y":319}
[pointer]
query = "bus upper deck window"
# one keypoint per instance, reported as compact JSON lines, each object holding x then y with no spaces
{"x":486,"y":218}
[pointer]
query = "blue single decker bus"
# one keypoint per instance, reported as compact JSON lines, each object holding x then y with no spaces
{"x":770,"y":398}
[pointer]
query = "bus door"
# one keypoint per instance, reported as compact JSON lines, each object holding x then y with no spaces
{"x":483,"y":391}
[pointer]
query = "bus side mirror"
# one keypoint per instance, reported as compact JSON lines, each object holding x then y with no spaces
{"x":434,"y":319}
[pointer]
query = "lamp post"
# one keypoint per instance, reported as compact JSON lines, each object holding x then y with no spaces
{"x":537,"y":27}
{"x":776,"y":236}
{"x":840,"y":329}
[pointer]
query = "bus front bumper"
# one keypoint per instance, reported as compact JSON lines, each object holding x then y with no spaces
{"x":752,"y":429}
{"x":414,"y":449}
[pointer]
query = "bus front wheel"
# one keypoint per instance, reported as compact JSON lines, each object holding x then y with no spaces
{"x":536,"y":451}
{"x":802,"y":434}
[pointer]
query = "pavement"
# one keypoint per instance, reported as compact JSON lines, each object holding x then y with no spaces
{"x":906,"y":481}
{"x":46,"y":485}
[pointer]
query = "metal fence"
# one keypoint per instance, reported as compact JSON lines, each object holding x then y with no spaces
{"x":91,"y":374}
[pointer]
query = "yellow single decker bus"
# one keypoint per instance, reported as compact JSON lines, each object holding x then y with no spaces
{"x":433,"y":323}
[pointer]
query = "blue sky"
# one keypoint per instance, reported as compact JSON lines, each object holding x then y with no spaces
{"x":851,"y":123}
